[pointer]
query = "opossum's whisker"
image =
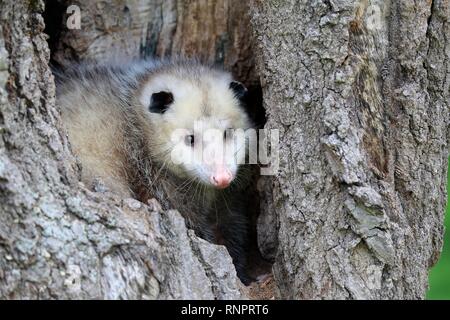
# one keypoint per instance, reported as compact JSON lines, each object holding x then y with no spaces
{"x":197,"y":194}
{"x":226,"y":203}
{"x":185,"y":184}
{"x":158,"y":174}
{"x":203,"y":194}
{"x":216,"y":212}
{"x":192,"y":184}
{"x":164,"y":153}
{"x":196,"y":183}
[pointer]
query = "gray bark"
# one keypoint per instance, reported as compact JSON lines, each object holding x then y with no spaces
{"x":59,"y":240}
{"x":362,"y":105}
{"x":214,"y":31}
{"x":356,"y":208}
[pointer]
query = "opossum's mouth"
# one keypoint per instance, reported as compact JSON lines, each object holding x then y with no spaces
{"x":218,"y":183}
{"x":220,"y":179}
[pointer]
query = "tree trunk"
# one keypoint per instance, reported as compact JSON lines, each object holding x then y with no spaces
{"x":360,"y":93}
{"x":59,"y":240}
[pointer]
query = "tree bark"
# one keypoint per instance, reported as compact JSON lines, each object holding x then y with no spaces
{"x":358,"y":89}
{"x":360,"y":93}
{"x":59,"y":240}
{"x":213,"y":31}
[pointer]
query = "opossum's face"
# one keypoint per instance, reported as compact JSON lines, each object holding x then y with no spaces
{"x":198,"y":126}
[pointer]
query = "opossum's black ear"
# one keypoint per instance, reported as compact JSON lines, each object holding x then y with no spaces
{"x":239,"y":90}
{"x":160,"y":102}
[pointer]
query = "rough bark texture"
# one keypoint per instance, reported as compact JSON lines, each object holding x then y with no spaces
{"x":362,"y":104}
{"x":59,"y":240}
{"x":214,"y":31}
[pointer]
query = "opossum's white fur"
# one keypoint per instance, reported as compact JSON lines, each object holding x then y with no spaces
{"x":201,"y":96}
{"x":96,"y":100}
{"x":105,"y":109}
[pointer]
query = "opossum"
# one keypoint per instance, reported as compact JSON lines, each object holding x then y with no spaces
{"x":139,"y":127}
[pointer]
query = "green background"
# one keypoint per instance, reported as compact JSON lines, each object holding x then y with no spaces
{"x":440,"y":273}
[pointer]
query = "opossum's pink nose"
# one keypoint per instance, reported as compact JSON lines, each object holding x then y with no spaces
{"x":221,"y":178}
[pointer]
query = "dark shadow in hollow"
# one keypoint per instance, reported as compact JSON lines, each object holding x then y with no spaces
{"x":53,"y":18}
{"x":257,"y":265}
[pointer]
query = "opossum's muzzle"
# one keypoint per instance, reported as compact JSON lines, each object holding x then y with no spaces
{"x":221,"y":178}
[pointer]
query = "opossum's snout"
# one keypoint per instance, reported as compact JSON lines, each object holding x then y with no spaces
{"x":221,"y":178}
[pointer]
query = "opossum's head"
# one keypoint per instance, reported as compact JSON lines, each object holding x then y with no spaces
{"x":198,"y":122}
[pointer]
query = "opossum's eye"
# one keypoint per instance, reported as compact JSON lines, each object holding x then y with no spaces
{"x":239,"y":90}
{"x":189,"y":140}
{"x":228,"y":134}
{"x":160,"y":102}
